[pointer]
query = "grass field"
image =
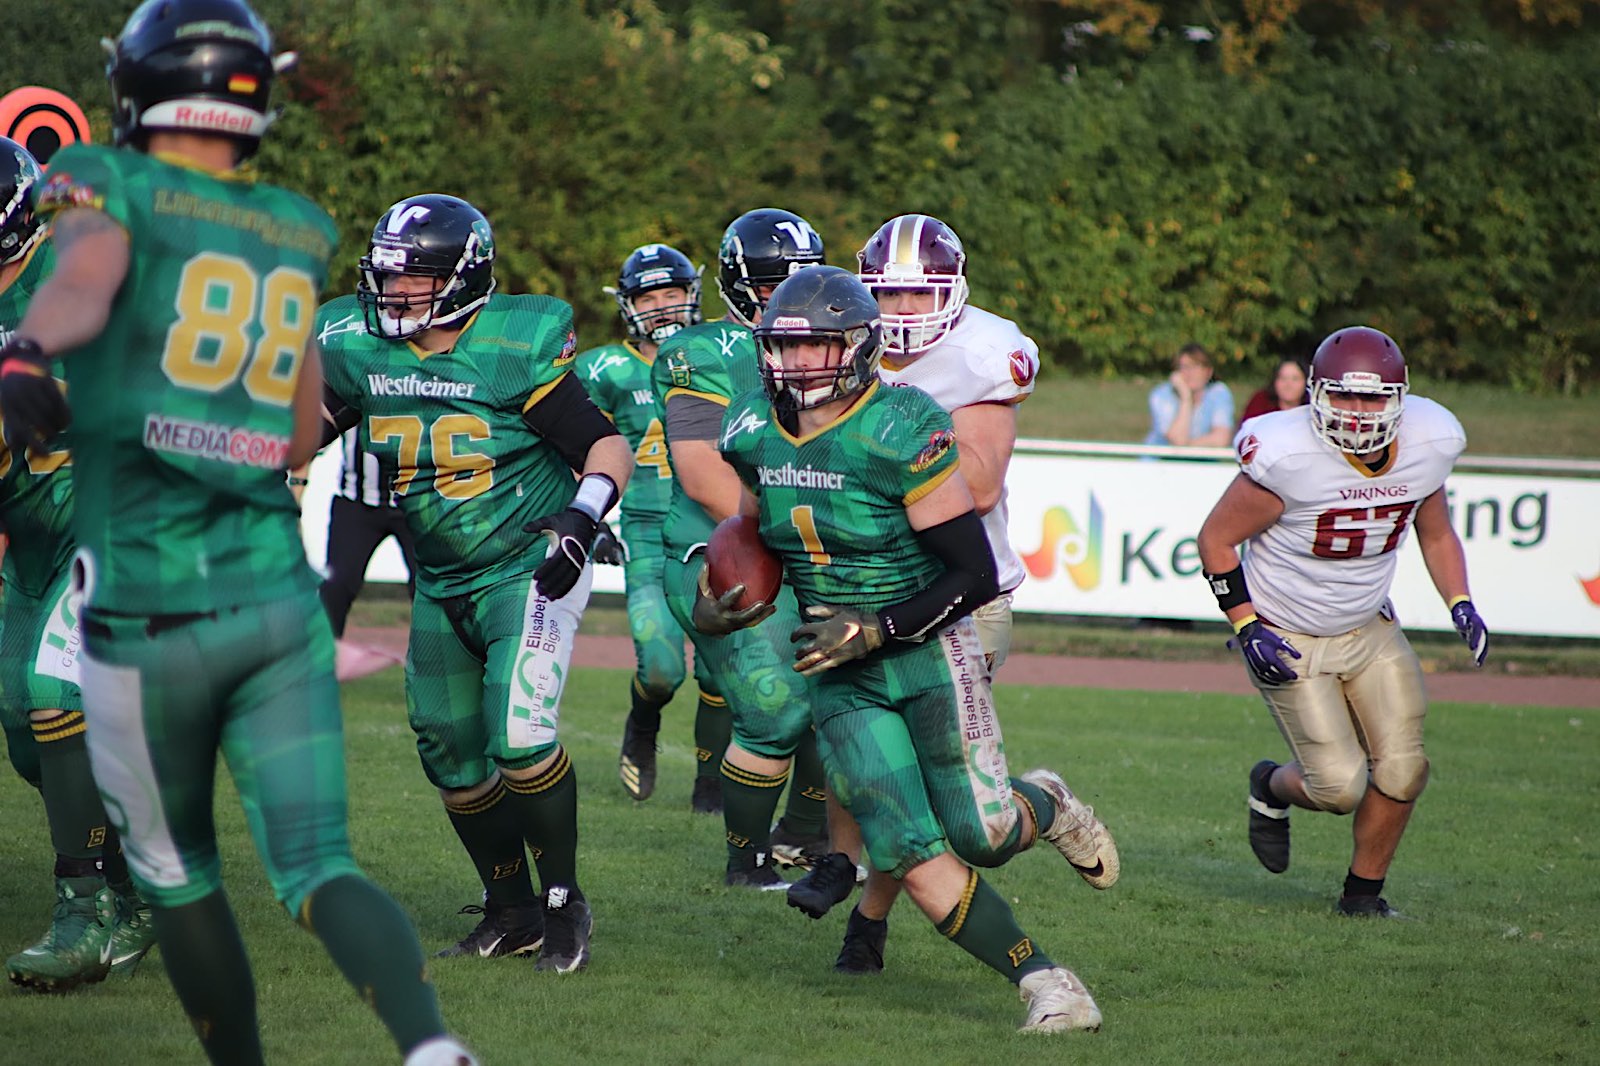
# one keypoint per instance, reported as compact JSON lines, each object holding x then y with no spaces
{"x":1198,"y":956}
{"x":1497,"y":421}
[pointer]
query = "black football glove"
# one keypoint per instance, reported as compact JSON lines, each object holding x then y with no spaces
{"x":716,"y":616}
{"x":31,"y":403}
{"x":835,"y":636}
{"x":1472,"y":630}
{"x":1263,"y":653}
{"x":609,"y":549}
{"x":571,"y":535}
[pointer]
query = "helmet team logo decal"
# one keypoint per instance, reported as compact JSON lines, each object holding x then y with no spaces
{"x":42,"y":120}
{"x":1023,"y":367}
{"x":1248,"y":448}
{"x":399,"y":219}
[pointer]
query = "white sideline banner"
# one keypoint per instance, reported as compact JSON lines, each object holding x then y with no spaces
{"x":387,"y":562}
{"x":1117,"y":537}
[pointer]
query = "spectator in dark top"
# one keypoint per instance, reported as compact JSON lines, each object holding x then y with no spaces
{"x":1284,"y":390}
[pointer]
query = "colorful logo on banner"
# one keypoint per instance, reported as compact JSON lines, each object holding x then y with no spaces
{"x":1591,"y":588}
{"x":42,"y":121}
{"x":1065,"y":544}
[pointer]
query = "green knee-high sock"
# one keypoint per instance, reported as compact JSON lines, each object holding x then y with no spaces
{"x":71,"y":800}
{"x":806,"y":811}
{"x":1038,"y":801}
{"x":713,"y":729}
{"x":748,"y":801}
{"x":982,"y":925}
{"x":547,"y":811}
{"x":210,"y":972}
{"x":491,"y":833}
{"x":375,"y":946}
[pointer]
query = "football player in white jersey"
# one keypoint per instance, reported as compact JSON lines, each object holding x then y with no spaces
{"x":979,"y":367}
{"x":1325,"y":496}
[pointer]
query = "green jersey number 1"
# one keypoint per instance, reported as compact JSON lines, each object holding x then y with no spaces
{"x":220,"y":297}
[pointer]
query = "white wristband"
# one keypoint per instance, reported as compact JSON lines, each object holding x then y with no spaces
{"x":596,"y":495}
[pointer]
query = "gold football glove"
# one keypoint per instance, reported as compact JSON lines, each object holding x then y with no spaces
{"x":836,"y":636}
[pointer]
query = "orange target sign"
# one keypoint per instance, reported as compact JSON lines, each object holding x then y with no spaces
{"x":42,"y":120}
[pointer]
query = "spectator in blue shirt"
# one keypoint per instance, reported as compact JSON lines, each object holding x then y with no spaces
{"x":1189,"y":409}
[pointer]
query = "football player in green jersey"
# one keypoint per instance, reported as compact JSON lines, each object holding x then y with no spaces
{"x":467,"y":399}
{"x":658,"y":293}
{"x":40,"y":703}
{"x":857,"y":489}
{"x":698,"y":371}
{"x":182,"y":300}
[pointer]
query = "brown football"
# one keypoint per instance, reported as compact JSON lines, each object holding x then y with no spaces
{"x":735,"y":555}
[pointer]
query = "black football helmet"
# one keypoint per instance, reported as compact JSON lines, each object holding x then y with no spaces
{"x":432,"y":236}
{"x":762,"y":247}
{"x":193,"y":66}
{"x":657,"y":266}
{"x":19,"y":228}
{"x":826,"y":304}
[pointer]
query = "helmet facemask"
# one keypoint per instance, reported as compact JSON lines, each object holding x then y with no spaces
{"x":656,"y":324}
{"x":910,"y":335}
{"x":20,"y":229}
{"x":851,"y":366}
{"x":1357,"y":432}
{"x":399,"y":316}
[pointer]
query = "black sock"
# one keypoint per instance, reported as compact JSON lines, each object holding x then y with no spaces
{"x":646,"y":712}
{"x":210,"y":972}
{"x":490,"y":831}
{"x":547,"y":811}
{"x":1362,"y":886}
{"x":114,"y":864}
{"x":748,"y":802}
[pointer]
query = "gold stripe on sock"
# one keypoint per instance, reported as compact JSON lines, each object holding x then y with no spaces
{"x":481,"y":803}
{"x":711,"y":698}
{"x":638,"y":690}
{"x":62,"y":726}
{"x":754,"y":780}
{"x":545,"y":781}
{"x":1017,"y":795}
{"x":965,"y":905}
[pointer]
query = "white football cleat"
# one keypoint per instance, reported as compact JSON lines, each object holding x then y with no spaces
{"x":1082,"y":839}
{"x":441,"y":1051}
{"x":1057,"y":1002}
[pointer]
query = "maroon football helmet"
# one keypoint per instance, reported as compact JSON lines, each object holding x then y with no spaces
{"x":1358,"y":361}
{"x":916,"y":252}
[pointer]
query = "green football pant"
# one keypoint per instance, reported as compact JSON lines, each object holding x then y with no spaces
{"x":913,"y":750}
{"x":484,"y":677}
{"x":753,"y":668}
{"x":657,"y":636}
{"x":162,"y":695}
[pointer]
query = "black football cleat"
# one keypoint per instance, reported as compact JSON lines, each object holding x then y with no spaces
{"x":759,"y":875}
{"x":637,"y":764}
{"x":568,"y":921}
{"x":828,"y":883}
{"x":1368,"y":907}
{"x":864,"y":939}
{"x":505,"y":930}
{"x":707,"y":796}
{"x":1269,"y":820}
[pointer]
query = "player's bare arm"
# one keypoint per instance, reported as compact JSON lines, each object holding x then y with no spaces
{"x":72,"y":307}
{"x":610,"y":457}
{"x":706,"y":477}
{"x":1441,"y":548}
{"x":985,"y":434}
{"x":308,"y":409}
{"x":1244,"y":510}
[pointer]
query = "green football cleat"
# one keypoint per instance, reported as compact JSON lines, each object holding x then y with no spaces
{"x":77,"y":949}
{"x":134,"y":934}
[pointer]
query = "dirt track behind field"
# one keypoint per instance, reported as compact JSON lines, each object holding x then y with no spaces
{"x":388,"y":645}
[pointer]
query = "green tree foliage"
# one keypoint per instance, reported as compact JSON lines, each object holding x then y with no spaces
{"x":1123,"y":186}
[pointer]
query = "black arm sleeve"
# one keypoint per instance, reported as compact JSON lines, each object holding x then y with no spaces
{"x":337,"y":416}
{"x":569,"y":420}
{"x":969,"y":580}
